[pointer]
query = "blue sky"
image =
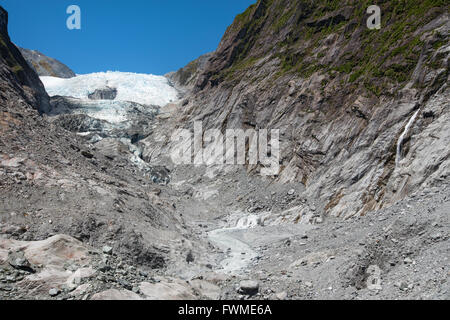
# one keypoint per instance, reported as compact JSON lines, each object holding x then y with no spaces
{"x":146,"y":36}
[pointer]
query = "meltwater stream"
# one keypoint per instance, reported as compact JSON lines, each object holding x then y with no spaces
{"x":239,"y":253}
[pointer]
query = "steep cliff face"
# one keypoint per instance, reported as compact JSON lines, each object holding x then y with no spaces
{"x":16,"y":75}
{"x":46,"y":66}
{"x":342,"y":95}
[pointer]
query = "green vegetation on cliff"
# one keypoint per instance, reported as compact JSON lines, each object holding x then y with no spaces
{"x":302,"y":34}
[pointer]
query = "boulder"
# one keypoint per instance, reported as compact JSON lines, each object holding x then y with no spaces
{"x":249,"y":287}
{"x":57,"y":251}
{"x":169,"y":289}
{"x":47,"y":279}
{"x":114,"y":294}
{"x":75,"y":279}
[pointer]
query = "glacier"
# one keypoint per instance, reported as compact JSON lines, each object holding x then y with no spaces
{"x":145,"y":89}
{"x":115,"y":127}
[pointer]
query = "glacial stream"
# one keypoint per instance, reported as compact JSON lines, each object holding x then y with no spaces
{"x":239,"y":254}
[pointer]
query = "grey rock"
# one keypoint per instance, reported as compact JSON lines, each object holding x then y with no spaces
{"x":107,"y":250}
{"x":103,"y":267}
{"x":249,"y":287}
{"x":19,"y":262}
{"x":281,"y":295}
{"x":19,"y":73}
{"x":436,"y":236}
{"x":106,"y":93}
{"x":189,"y":257}
{"x":185,"y":78}
{"x":125,"y":284}
{"x":87,"y":154}
{"x":46,"y":66}
{"x":54,"y":292}
{"x":403,"y":285}
{"x":136,"y":290}
{"x":408,"y":261}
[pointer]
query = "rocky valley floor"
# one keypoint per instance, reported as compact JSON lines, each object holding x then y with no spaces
{"x":107,"y":231}
{"x":92,"y":207}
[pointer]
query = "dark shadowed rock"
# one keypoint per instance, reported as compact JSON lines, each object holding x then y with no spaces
{"x":249,"y":287}
{"x":16,"y":73}
{"x":190,"y":257}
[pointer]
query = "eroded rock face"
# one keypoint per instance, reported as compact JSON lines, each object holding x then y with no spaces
{"x":62,"y":266}
{"x":44,"y":263}
{"x":339,"y":122}
{"x":106,"y":93}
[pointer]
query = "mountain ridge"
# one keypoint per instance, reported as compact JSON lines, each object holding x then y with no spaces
{"x":46,"y":66}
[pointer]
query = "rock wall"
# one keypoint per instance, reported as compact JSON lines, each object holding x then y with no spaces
{"x":16,"y":75}
{"x":340,"y":94}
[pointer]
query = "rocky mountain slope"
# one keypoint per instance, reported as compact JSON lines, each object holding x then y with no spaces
{"x":17,"y":76}
{"x":342,"y":96}
{"x":46,"y":66}
{"x":92,"y":207}
{"x":65,"y":200}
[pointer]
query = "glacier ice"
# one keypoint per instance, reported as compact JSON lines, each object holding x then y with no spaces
{"x":141,"y":88}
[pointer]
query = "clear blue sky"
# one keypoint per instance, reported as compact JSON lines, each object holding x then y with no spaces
{"x":146,"y":36}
